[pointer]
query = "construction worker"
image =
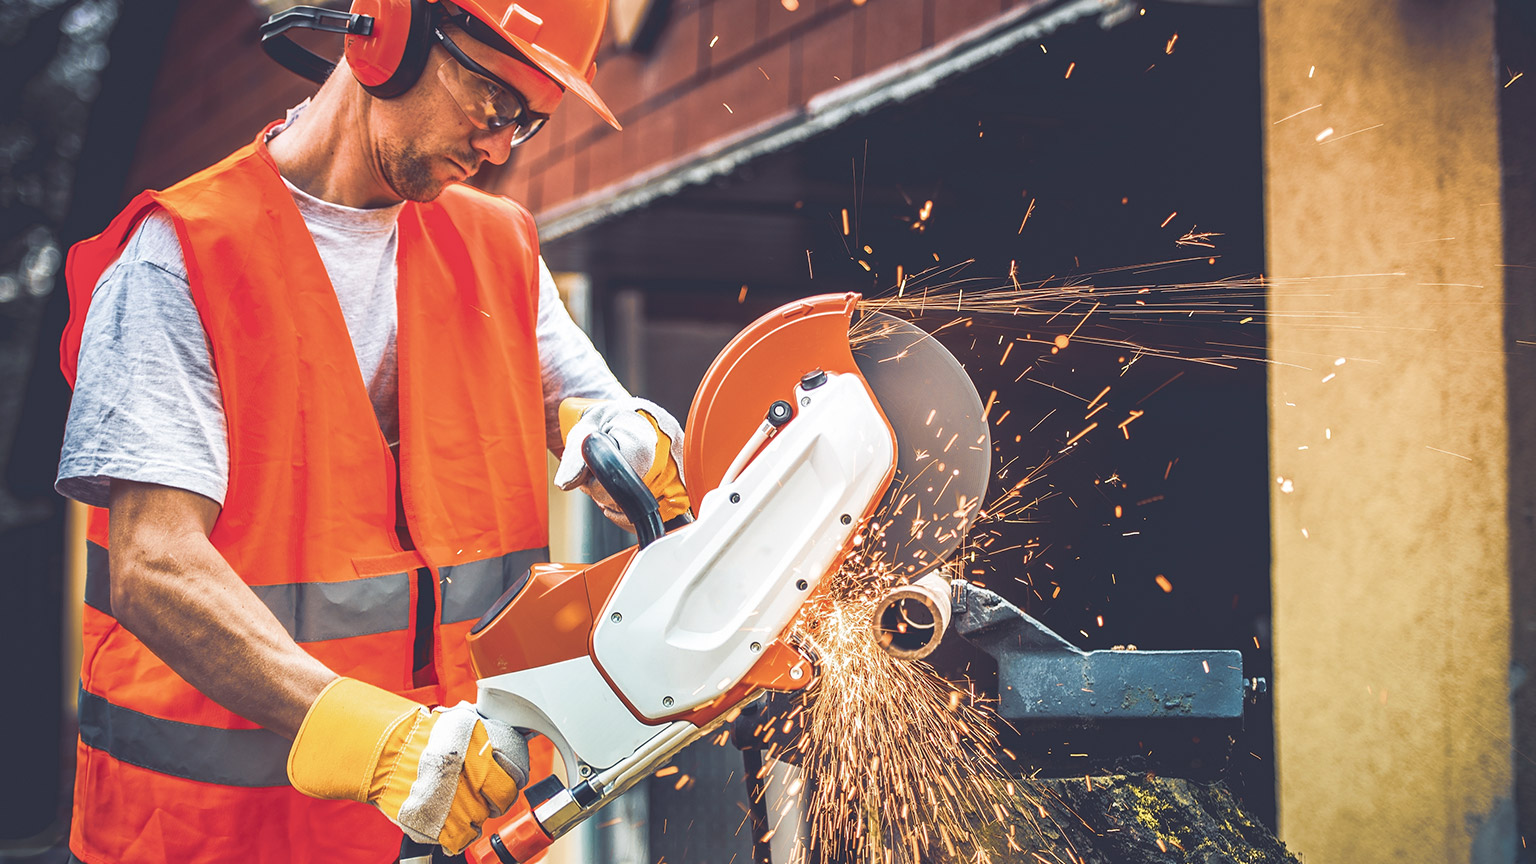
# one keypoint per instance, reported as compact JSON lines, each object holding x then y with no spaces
{"x":313,"y":387}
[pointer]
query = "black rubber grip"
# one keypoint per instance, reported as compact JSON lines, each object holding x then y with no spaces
{"x":411,"y":850}
{"x":538,"y":793}
{"x":603,"y":459}
{"x":500,"y":849}
{"x":585,"y":794}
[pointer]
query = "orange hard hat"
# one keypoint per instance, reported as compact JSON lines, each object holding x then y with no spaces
{"x":560,"y":37}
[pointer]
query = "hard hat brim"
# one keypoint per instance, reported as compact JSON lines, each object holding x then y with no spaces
{"x":572,"y":80}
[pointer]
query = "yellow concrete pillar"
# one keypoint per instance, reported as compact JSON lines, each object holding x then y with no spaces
{"x":1389,"y":431}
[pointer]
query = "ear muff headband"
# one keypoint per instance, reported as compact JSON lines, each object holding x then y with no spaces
{"x":387,"y":42}
{"x":299,"y":60}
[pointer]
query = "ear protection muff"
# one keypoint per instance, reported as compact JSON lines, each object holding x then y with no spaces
{"x":388,"y":61}
{"x":387,"y":42}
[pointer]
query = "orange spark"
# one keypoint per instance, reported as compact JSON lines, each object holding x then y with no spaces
{"x":1127,"y":421}
{"x":1027,"y":211}
{"x":1074,"y":439}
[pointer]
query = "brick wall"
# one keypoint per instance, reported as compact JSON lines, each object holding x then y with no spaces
{"x":216,"y":88}
{"x":765,"y":61}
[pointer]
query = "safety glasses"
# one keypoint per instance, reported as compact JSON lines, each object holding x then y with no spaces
{"x":489,"y":102}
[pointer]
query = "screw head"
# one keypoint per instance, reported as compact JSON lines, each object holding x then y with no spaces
{"x":756,"y":647}
{"x":735,"y":498}
{"x":796,"y":673}
{"x":615,"y":617}
{"x":804,"y":401}
{"x":586,"y":770}
{"x":802,"y":584}
{"x":845,"y":519}
{"x":666,"y":701}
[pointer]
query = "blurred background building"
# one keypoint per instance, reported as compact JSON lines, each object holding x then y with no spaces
{"x":1352,"y":510}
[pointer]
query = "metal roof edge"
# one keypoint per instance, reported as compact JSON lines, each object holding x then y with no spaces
{"x":889,"y":85}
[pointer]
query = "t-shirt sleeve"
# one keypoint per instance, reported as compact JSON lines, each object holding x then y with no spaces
{"x":569,"y":365}
{"x":146,"y":403}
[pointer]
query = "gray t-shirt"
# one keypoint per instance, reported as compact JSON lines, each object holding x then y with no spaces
{"x":146,"y":404}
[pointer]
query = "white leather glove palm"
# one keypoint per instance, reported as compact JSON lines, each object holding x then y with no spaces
{"x":642,"y":429}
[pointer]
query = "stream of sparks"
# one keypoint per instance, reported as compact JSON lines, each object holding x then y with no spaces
{"x":900,"y":764}
{"x":912,"y":778}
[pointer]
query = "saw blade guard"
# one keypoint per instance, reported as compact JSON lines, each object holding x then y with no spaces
{"x":764,"y":362}
{"x":944,"y":445}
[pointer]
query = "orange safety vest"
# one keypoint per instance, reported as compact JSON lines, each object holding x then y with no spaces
{"x":164,"y":773}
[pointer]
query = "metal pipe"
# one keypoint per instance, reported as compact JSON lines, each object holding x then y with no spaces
{"x":910,"y":621}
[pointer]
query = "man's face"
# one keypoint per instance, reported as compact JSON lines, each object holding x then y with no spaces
{"x":424,"y":141}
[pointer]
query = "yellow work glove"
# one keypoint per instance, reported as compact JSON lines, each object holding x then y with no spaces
{"x":649,"y":439}
{"x":436,"y":774}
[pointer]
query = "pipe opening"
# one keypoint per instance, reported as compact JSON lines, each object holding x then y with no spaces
{"x":906,"y":626}
{"x":910,"y":621}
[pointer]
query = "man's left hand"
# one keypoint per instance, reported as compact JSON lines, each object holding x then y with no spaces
{"x":649,"y":439}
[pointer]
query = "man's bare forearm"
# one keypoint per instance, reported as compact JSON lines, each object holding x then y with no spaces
{"x":174,"y":591}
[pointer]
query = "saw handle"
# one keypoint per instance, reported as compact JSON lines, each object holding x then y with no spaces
{"x":412,"y":852}
{"x":601,"y":453}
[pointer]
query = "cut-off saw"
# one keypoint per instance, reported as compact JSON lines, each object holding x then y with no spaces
{"x":819,"y":432}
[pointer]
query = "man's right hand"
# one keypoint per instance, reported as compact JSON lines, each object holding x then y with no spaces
{"x":438,"y":775}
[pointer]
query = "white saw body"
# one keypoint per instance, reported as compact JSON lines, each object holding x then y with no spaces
{"x":684,"y":626}
{"x":697,"y":606}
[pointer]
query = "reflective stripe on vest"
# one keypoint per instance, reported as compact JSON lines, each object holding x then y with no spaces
{"x":470,"y":589}
{"x":256,"y":757}
{"x":233,"y":757}
{"x":316,"y":611}
{"x":309,"y":611}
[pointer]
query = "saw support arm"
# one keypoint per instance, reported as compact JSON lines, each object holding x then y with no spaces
{"x":1043,"y":678}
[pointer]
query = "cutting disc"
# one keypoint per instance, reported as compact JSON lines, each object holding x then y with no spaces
{"x":943,"y":444}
